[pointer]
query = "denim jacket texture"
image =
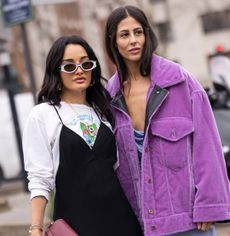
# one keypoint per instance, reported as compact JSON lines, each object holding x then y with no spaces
{"x":183,"y":177}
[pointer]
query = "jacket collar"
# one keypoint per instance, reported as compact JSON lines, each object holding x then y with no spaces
{"x":164,"y":73}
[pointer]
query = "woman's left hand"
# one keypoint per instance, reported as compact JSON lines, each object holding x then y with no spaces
{"x":204,"y":226}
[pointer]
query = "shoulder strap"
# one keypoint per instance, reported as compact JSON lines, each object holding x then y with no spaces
{"x":57,"y":113}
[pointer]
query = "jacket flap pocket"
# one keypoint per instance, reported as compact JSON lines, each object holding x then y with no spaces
{"x":172,"y":129}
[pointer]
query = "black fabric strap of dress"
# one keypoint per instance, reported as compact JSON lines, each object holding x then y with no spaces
{"x":58,"y":113}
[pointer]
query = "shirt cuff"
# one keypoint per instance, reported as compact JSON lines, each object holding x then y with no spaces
{"x":39,"y":192}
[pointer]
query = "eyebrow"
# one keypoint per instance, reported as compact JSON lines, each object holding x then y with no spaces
{"x":71,"y":60}
{"x":126,"y":30}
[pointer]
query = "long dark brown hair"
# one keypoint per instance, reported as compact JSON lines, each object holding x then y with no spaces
{"x":96,"y":95}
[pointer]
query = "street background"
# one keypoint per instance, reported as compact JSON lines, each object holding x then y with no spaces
{"x":193,"y":33}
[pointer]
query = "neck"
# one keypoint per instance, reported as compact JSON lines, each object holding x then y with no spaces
{"x":133,"y":70}
{"x":74,"y":98}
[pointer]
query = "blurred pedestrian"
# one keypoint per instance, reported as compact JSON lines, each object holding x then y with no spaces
{"x":69,"y":146}
{"x":171,"y":163}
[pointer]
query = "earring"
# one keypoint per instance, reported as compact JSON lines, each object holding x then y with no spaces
{"x":92,"y":83}
{"x":59,"y":87}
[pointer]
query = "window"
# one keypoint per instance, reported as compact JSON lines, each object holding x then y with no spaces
{"x":164,"y":31}
{"x":216,"y":21}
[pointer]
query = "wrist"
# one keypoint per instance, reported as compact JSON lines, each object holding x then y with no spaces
{"x":37,"y":227}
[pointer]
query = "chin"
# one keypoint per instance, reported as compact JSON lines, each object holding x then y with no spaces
{"x":80,"y":87}
{"x":133,"y":58}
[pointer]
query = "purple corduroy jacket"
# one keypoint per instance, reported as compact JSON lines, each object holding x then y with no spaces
{"x":183,"y":177}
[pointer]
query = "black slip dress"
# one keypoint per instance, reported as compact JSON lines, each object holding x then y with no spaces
{"x":88,"y":193}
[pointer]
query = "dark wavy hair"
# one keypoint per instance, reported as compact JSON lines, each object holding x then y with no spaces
{"x":96,"y":95}
{"x":150,"y":46}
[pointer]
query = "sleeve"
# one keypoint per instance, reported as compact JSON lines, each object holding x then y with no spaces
{"x":38,"y":158}
{"x":212,"y":199}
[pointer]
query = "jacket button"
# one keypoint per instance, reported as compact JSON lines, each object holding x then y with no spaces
{"x":158,"y":91}
{"x":149,"y":181}
{"x":173,"y":133}
{"x":150,"y":211}
{"x":153,"y":227}
{"x":146,"y":149}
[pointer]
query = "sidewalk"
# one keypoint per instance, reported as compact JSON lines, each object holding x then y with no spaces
{"x":16,"y":220}
{"x":15,"y":209}
{"x":15,"y":216}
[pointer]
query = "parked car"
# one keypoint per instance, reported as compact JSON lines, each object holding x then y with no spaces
{"x":10,"y":166}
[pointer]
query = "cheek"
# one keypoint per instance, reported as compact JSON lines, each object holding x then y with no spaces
{"x":89,"y":76}
{"x":64,"y":79}
{"x":121,"y":49}
{"x":143,"y":41}
{"x":121,"y":44}
{"x":64,"y":76}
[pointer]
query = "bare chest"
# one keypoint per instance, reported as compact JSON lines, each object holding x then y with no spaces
{"x":136,"y":102}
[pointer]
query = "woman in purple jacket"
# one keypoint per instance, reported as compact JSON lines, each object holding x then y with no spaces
{"x":171,"y":163}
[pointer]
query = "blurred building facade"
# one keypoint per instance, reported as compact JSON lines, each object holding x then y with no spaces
{"x":187,"y":30}
{"x":194,"y":29}
{"x":5,"y":38}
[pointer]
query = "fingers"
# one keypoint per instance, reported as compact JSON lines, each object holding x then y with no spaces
{"x":204,"y":226}
{"x":199,"y":225}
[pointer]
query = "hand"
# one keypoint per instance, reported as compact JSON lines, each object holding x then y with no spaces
{"x":204,"y":226}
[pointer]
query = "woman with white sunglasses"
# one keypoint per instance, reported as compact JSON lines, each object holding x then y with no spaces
{"x":69,"y":146}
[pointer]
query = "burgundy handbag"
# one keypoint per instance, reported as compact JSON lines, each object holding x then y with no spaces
{"x":60,"y":228}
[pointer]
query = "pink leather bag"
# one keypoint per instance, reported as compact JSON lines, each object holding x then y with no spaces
{"x":60,"y":228}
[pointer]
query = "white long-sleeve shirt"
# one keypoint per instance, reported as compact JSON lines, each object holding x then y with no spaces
{"x":41,"y":141}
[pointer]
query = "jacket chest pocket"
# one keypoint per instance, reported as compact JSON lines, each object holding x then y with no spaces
{"x":172,"y":138}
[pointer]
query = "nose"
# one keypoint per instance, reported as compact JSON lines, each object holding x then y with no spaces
{"x":79,"y":71}
{"x":133,"y":39}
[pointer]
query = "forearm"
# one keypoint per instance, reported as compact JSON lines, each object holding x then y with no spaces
{"x":38,"y":205}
